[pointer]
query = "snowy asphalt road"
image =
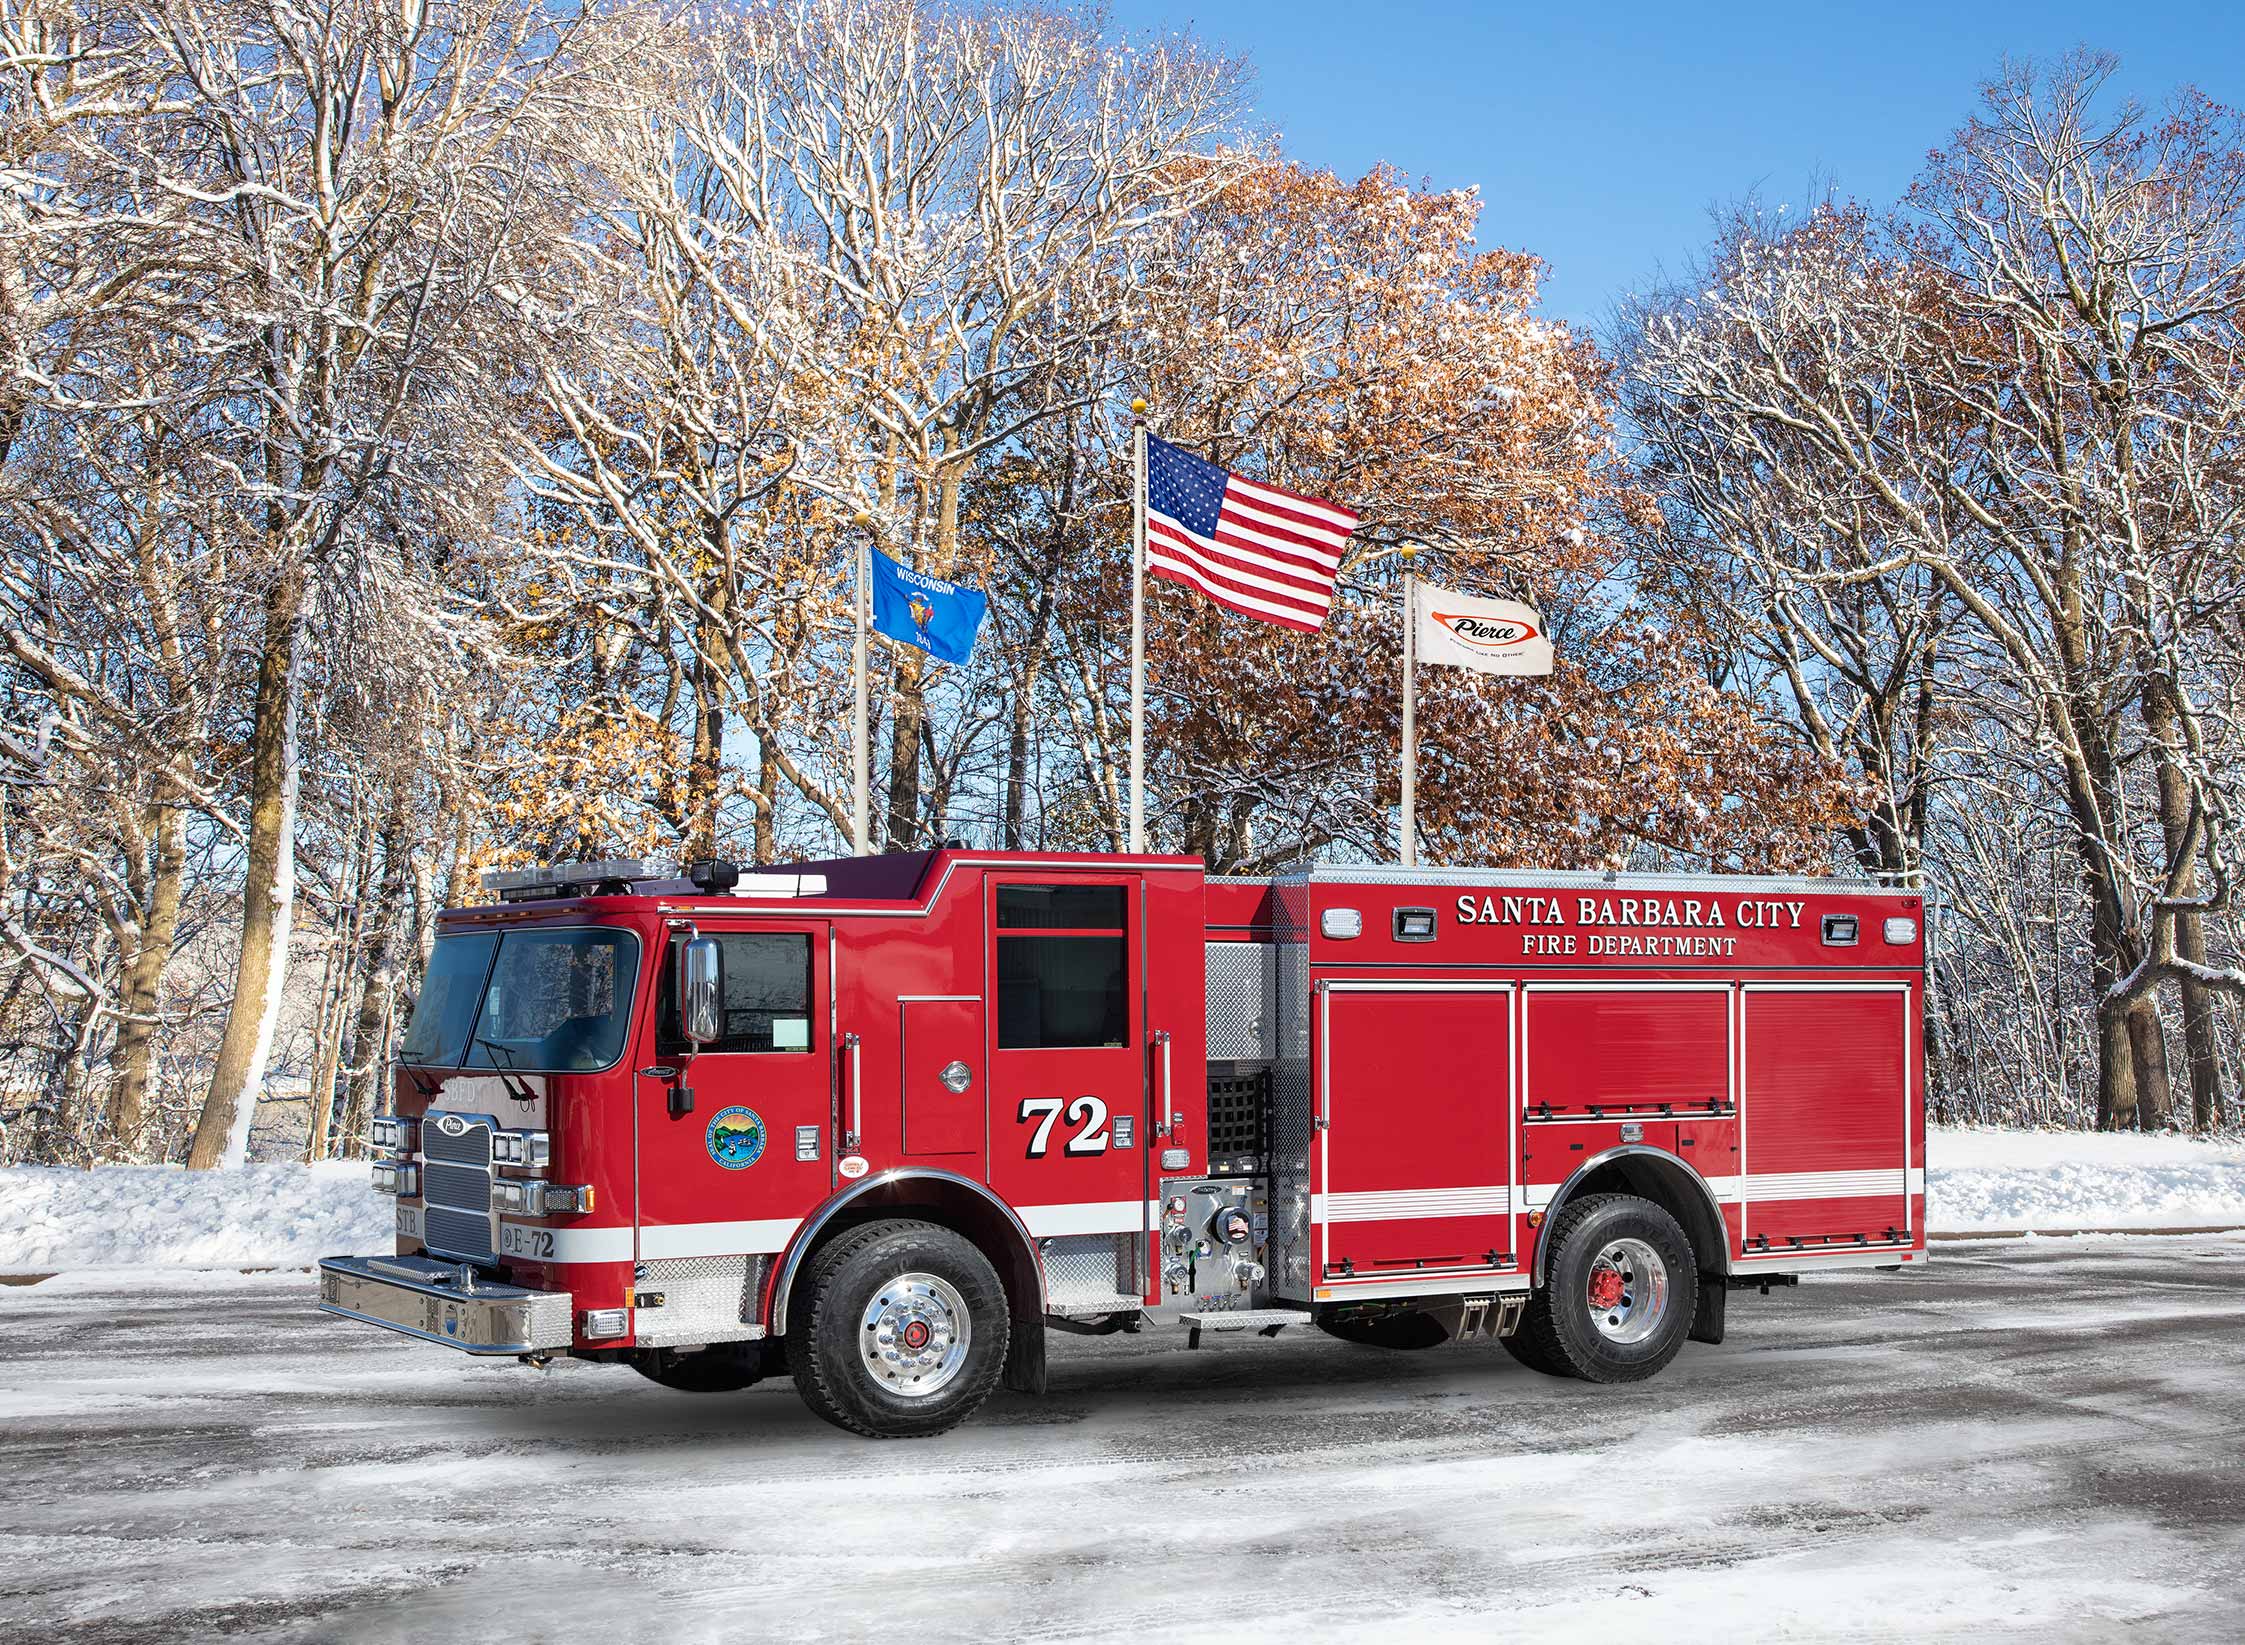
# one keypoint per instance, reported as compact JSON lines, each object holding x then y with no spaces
{"x":2033,"y":1441}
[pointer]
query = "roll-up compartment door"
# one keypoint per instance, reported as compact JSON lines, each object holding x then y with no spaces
{"x":1629,"y":1052}
{"x":1826,"y":1116}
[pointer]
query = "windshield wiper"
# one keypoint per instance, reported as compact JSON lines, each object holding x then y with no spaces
{"x":517,"y":1088}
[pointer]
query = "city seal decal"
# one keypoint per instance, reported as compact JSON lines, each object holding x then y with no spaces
{"x":735,"y":1138}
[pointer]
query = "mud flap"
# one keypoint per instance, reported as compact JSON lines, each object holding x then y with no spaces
{"x":1707,"y":1320}
{"x":1025,"y":1357}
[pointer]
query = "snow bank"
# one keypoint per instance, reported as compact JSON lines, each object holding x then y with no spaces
{"x":1985,"y":1179}
{"x":288,"y":1216}
{"x":259,"y":1216}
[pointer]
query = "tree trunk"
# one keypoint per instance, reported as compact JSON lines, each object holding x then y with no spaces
{"x":2200,"y":1044}
{"x":377,"y":980}
{"x":268,"y":888}
{"x":339,"y":1004}
{"x":2147,"y":1045}
{"x":765,"y":846}
{"x":2116,"y":1078}
{"x":705,"y":769}
{"x":909,"y":707}
{"x":135,"y":1053}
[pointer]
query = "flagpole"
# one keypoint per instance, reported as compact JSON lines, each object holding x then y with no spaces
{"x":1138,"y":625}
{"x":861,"y":806}
{"x":1410,"y":553}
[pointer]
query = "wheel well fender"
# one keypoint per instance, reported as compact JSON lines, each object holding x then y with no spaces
{"x":1654,"y":1174}
{"x":944,"y":1198}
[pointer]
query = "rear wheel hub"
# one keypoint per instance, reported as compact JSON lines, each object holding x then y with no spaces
{"x":1627,"y":1290}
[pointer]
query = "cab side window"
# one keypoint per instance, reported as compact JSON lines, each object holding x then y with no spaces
{"x":767,"y":994}
{"x":1063,"y":969}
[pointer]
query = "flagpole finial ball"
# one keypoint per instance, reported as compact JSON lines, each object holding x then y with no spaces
{"x":1409,"y":551}
{"x":861,"y":519}
{"x":1138,"y":408}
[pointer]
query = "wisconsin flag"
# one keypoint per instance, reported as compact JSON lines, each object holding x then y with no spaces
{"x":1494,"y":636}
{"x":939,"y":617}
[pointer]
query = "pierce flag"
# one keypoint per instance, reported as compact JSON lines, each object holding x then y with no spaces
{"x":1493,"y":636}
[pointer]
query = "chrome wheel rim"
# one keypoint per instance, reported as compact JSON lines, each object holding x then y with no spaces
{"x":1626,"y":1291}
{"x":915,"y":1335}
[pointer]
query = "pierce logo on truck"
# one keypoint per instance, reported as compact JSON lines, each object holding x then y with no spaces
{"x":735,"y":1138}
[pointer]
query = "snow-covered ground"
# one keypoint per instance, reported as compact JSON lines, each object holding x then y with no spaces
{"x":1979,"y":1180}
{"x":261,"y":1216}
{"x":2027,"y":1441}
{"x":278,"y":1216}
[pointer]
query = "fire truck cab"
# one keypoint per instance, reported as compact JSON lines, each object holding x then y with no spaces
{"x":881,"y":1123}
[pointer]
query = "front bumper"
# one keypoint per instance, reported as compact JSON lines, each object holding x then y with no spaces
{"x":444,"y":1302}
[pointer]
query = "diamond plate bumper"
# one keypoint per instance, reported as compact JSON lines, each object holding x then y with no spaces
{"x":444,"y":1302}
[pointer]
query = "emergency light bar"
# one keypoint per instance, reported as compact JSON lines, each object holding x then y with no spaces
{"x":721,"y":879}
{"x":518,"y":884}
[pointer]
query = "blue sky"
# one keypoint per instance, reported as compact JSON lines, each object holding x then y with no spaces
{"x":1599,"y":136}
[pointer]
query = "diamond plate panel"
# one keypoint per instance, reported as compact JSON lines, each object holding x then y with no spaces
{"x":1084,"y":1268}
{"x":705,"y":1299}
{"x":1242,"y":1000}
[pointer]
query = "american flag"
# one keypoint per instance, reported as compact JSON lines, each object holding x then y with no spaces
{"x":1253,"y":548}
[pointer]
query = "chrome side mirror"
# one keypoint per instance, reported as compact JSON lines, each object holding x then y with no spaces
{"x":701,"y":990}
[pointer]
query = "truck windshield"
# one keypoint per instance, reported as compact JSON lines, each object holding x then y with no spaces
{"x":548,"y":1002}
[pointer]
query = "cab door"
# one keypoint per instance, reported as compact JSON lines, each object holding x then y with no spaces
{"x":733,"y":1173}
{"x":1067,"y":1059}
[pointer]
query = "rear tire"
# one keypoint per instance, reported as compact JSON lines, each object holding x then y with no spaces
{"x":1400,"y":1330}
{"x":1619,"y":1293}
{"x":899,"y":1332}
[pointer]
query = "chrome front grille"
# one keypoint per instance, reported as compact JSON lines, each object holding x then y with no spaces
{"x":456,"y":1186}
{"x":471,"y":1147}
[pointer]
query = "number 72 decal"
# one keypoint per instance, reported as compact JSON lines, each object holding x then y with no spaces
{"x":1087,"y":1114}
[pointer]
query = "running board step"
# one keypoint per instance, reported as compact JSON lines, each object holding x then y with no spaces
{"x":1268,"y":1321}
{"x":1083,"y":1307}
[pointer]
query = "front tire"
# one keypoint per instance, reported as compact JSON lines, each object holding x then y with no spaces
{"x":901,"y":1332}
{"x":1619,"y":1293}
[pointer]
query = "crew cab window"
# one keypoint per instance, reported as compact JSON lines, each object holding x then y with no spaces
{"x":767,"y":995}
{"x":1063,"y":968}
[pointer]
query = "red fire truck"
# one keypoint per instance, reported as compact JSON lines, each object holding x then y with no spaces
{"x":881,"y":1123}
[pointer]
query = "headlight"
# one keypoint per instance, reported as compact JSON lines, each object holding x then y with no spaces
{"x":531,"y":1148}
{"x":392,"y":1135}
{"x":396,"y":1177}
